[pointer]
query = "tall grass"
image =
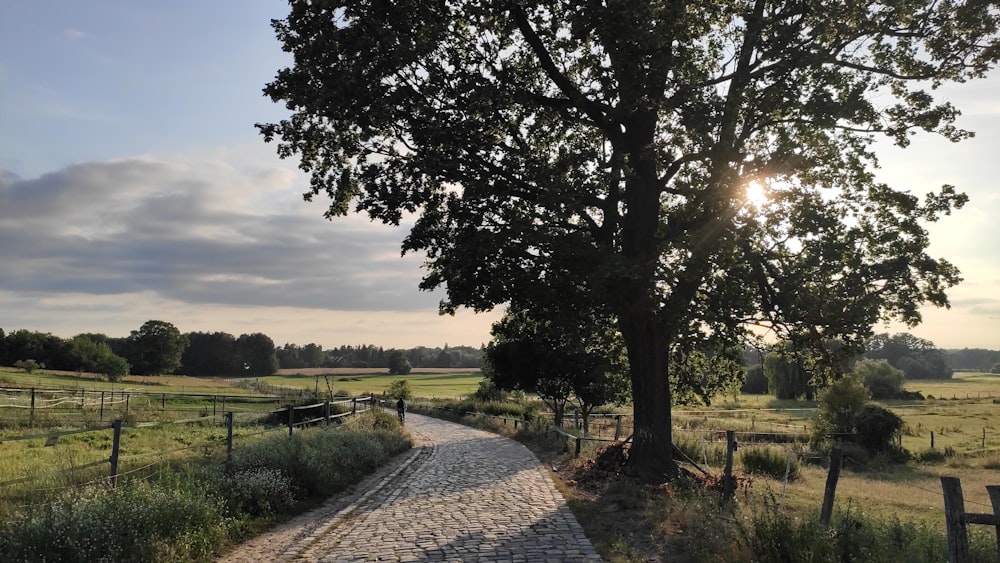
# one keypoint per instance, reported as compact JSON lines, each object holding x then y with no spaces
{"x":192,"y":511}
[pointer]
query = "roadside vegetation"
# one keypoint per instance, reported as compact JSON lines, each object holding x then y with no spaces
{"x":193,"y":510}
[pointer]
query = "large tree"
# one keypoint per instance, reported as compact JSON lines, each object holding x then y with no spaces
{"x":618,"y":148}
{"x":156,"y":348}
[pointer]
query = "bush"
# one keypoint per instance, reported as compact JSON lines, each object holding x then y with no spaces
{"x":488,"y":391}
{"x":882,"y":380}
{"x":877,"y":429}
{"x":400,"y":389}
{"x":28,"y":366}
{"x":837,"y":408}
{"x":771,"y":462}
{"x":137,"y":522}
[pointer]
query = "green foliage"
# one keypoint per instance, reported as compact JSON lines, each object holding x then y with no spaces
{"x":400,"y":389}
{"x":489,"y":392}
{"x":882,"y":380}
{"x":155,"y":349}
{"x":398,"y":364}
{"x":258,"y":491}
{"x":599,"y":153}
{"x":770,"y":462}
{"x":138,"y":522}
{"x":837,"y":407}
{"x":995,"y":368}
{"x":774,"y":535}
{"x":29,"y":365}
{"x":916,"y":357}
{"x":877,"y":428}
{"x":756,"y":382}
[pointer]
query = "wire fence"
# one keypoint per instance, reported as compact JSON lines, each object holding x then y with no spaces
{"x":117,"y":457}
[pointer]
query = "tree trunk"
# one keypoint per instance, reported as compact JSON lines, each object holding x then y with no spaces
{"x":651,"y":455}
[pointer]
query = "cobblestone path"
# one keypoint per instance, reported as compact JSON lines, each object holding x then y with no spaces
{"x":461,"y":495}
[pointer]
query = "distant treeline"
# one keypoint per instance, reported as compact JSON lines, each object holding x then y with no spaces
{"x":291,"y":356}
{"x":972,"y":359}
{"x":158,"y":348}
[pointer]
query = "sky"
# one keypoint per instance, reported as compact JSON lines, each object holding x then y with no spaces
{"x":133,"y":186}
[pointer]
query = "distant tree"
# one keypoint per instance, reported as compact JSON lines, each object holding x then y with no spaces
{"x":211,"y":354}
{"x":787,"y":376}
{"x":29,"y":365}
{"x":995,"y":368}
{"x":971,"y":359}
{"x":756,"y":381}
{"x":4,"y":361}
{"x":257,"y":351}
{"x":916,"y":357}
{"x":156,"y":348}
{"x":312,"y":355}
{"x":112,"y":366}
{"x":398,"y":364}
{"x":399,"y":389}
{"x":882,"y":380}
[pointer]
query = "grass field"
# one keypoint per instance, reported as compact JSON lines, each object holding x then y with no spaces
{"x":145,"y":383}
{"x":427,"y":384}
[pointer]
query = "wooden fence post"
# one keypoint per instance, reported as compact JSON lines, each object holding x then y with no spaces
{"x":354,"y":406}
{"x":578,"y":444}
{"x":932,"y":439}
{"x":223,"y":403}
{"x":728,"y":481}
{"x":836,"y":460}
{"x":116,"y":426}
{"x":994,"y":492}
{"x":954,"y":507}
{"x":126,"y":403}
{"x":214,"y":404}
{"x":618,"y":427}
{"x":163,"y":401}
{"x":102,"y":407}
{"x":229,"y":438}
{"x":326,"y":410}
{"x":291,"y":418}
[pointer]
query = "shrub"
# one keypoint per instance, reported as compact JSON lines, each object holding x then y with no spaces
{"x":488,"y":391}
{"x":837,"y":408}
{"x":28,"y":366}
{"x":771,"y":462}
{"x":257,"y":492}
{"x":400,"y":389}
{"x":882,"y":380}
{"x":877,"y":429}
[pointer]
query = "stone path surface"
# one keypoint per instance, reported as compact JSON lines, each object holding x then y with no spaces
{"x":461,"y":495}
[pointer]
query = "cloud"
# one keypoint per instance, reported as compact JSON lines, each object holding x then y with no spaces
{"x":75,"y":34}
{"x":221,"y":228}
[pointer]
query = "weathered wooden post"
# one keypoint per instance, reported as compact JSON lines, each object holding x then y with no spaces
{"x":326,"y":412}
{"x":102,"y":407}
{"x":728,"y":481}
{"x":126,"y":403}
{"x":954,"y":508}
{"x":578,"y":444}
{"x":836,"y":460}
{"x":229,"y":438}
{"x":618,"y":427}
{"x":984,"y":439}
{"x":291,"y":418}
{"x":116,"y":427}
{"x":163,"y":401}
{"x":214,"y":402}
{"x":32,"y":412}
{"x":354,"y":406}
{"x":932,"y":439}
{"x":994,"y":492}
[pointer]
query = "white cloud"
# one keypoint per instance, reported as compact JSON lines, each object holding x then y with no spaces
{"x":227,"y":231}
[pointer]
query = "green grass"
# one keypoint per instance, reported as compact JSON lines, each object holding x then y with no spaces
{"x":964,"y":385}
{"x":193,"y":511}
{"x":424,"y":385}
